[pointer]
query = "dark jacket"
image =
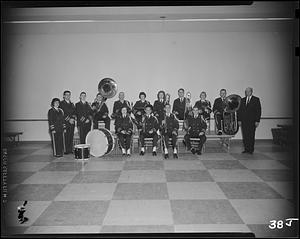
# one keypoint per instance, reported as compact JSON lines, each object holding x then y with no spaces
{"x":123,"y":124}
{"x":83,"y":112}
{"x":171,"y":124}
{"x":56,"y":120}
{"x":68,"y":109}
{"x":202,"y":105}
{"x":98,"y":115}
{"x":118,"y":105}
{"x":195,"y":125}
{"x":150,"y":123}
{"x":219,"y":105}
{"x":139,"y":106}
{"x":159,"y":109}
{"x":179,"y":107}
{"x":251,"y":112}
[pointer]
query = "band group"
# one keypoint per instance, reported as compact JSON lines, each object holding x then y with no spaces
{"x":159,"y":120}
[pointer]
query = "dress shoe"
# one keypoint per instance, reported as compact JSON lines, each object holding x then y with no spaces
{"x":166,"y":156}
{"x":199,"y":152}
{"x":142,"y":153}
{"x":124,"y":154}
{"x":175,"y":156}
{"x":154,"y":153}
{"x":220,"y":133}
{"x":250,"y":152}
{"x":244,"y":152}
{"x":193,"y":150}
{"x":128,"y":155}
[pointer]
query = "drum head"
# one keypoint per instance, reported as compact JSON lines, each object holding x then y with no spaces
{"x":100,"y":141}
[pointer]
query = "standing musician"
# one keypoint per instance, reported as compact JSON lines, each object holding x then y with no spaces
{"x":249,"y":115}
{"x":196,"y":129}
{"x":100,"y":112}
{"x":169,"y":129}
{"x":149,"y":129}
{"x":83,"y":113}
{"x":179,"y":105}
{"x":159,"y":106}
{"x":139,"y":109}
{"x":69,"y":115}
{"x":57,"y":127}
{"x":204,"y":106}
{"x":124,"y":130}
{"x":218,"y":109}
{"x":119,"y":104}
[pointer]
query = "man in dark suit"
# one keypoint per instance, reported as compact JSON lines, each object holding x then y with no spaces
{"x":218,"y":109}
{"x":249,"y":115}
{"x":100,"y":112}
{"x":179,"y":105}
{"x":69,"y":116}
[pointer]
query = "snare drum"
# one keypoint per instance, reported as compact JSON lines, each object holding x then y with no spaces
{"x":101,"y":142}
{"x":82,"y":151}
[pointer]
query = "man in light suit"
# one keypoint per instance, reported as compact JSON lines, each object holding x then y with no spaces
{"x":249,"y":115}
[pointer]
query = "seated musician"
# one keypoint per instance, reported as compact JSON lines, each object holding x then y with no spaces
{"x":119,"y":104}
{"x":169,"y":129}
{"x":204,"y":106}
{"x":218,"y":109}
{"x":196,"y":127}
{"x":149,"y":127}
{"x":100,"y":112}
{"x":159,"y":105}
{"x":179,"y":105}
{"x":139,"y":109}
{"x":124,"y":129}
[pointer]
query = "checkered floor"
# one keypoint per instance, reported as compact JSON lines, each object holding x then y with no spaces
{"x":214,"y":192}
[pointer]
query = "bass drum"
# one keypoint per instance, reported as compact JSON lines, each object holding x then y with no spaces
{"x":101,"y":142}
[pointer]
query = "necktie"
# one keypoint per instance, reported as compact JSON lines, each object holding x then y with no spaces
{"x":248,"y":99}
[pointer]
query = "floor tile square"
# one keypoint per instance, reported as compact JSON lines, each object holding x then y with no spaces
{"x":27,"y":167}
{"x":262,"y":164}
{"x":195,"y":190}
{"x":212,"y":228}
{"x":63,"y":229}
{"x":73,"y":213}
{"x":262,"y":211}
{"x":18,"y":177}
{"x":255,"y":155}
{"x":141,"y":191}
{"x":13,"y":231}
{"x":188,"y":176}
{"x":142,"y":176}
{"x":16,"y":150}
{"x":285,"y":189}
{"x":144,"y":165}
{"x":87,"y":192}
{"x":63,"y":166}
{"x":33,"y":210}
{"x":270,"y":148}
{"x":217,"y":156}
{"x":138,"y":229}
{"x":139,"y":212}
{"x":222,"y":164}
{"x":236,"y":175}
{"x":14,"y":158}
{"x":183,"y":164}
{"x":248,"y":190}
{"x":38,"y":158}
{"x":279,"y":155}
{"x":204,"y":212}
{"x":44,"y":151}
{"x":274,"y":174}
{"x":104,"y":165}
{"x":287,"y":163}
{"x":50,"y":177}
{"x":263,"y":231}
{"x":35,"y":192}
{"x":97,"y":177}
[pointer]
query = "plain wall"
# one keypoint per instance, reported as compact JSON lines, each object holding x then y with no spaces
{"x":42,"y":66}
